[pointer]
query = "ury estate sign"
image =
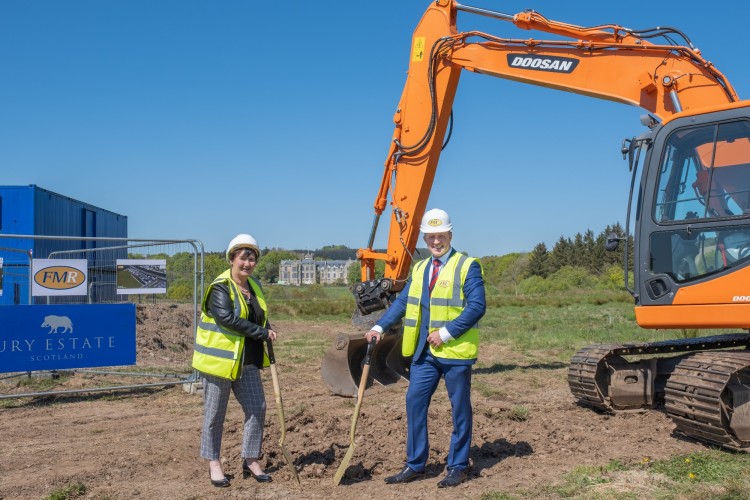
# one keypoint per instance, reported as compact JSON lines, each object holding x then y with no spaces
{"x":52,"y":337}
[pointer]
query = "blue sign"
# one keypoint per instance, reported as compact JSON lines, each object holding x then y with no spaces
{"x":55,"y":337}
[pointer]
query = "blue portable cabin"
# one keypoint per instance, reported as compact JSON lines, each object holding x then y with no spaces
{"x":37,"y":211}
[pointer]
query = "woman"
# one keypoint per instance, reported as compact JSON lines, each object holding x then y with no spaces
{"x":229,"y":353}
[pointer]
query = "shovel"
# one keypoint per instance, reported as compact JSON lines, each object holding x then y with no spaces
{"x":360,"y":395}
{"x":280,"y":406}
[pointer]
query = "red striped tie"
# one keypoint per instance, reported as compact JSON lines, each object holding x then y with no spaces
{"x":435,"y":271}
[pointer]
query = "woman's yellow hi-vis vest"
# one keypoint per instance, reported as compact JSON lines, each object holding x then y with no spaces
{"x":217,"y":350}
{"x":446,"y":303}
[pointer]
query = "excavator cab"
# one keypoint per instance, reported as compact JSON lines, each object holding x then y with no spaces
{"x":693,"y":223}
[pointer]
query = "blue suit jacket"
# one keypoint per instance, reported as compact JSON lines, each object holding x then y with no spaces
{"x":475,"y":307}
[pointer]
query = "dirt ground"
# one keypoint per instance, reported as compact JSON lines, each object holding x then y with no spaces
{"x":144,"y":443}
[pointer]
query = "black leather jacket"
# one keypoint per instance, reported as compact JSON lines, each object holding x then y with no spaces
{"x":221,"y":308}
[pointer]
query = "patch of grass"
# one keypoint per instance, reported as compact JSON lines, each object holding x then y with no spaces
{"x":519,"y":414}
{"x":714,"y":474}
{"x":560,"y":323}
{"x":690,"y":333}
{"x":301,"y":350}
{"x":496,"y":495}
{"x":295,"y":411}
{"x":583,"y":478}
{"x":714,"y":466}
{"x":311,"y":302}
{"x":487,"y":390}
{"x":8,"y":403}
{"x":72,"y":490}
{"x":41,"y":384}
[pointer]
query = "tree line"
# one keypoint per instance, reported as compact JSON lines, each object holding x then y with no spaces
{"x":180,"y":266}
{"x":578,"y":259}
{"x":585,"y":250}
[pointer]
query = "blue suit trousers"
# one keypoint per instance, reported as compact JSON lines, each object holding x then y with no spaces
{"x":424,"y":379}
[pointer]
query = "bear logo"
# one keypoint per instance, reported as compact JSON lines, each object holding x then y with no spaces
{"x":56,"y":322}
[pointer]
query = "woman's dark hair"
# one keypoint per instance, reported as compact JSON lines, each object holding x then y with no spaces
{"x":244,"y":251}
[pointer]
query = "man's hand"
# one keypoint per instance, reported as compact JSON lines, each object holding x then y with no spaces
{"x":372,"y":333}
{"x":434,"y":338}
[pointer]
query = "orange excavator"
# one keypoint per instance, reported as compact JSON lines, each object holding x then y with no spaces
{"x":689,"y":203}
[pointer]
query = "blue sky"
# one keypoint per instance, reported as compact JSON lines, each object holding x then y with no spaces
{"x":201,"y":120}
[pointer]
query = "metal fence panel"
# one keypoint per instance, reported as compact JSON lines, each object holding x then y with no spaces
{"x":184,"y":289}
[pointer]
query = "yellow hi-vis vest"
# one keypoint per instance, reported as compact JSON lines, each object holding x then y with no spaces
{"x":446,"y":304}
{"x":218,"y":351}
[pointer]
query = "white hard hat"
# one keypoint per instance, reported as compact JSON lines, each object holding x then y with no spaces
{"x":436,"y":221}
{"x":243,"y":241}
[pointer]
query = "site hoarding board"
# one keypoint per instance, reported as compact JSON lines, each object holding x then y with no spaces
{"x":141,"y":276}
{"x":57,"y":337}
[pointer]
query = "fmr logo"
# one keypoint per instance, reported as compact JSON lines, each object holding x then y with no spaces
{"x":59,"y":277}
{"x":543,"y":63}
{"x":434,"y":222}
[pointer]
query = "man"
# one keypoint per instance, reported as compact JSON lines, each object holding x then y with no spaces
{"x":441,"y":304}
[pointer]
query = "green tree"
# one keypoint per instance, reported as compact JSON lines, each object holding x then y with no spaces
{"x":336,"y":252}
{"x":569,"y":277}
{"x":538,"y":264}
{"x":181,"y":290}
{"x":615,"y":258}
{"x":494,"y":267}
{"x":214,"y":263}
{"x":534,"y":284}
{"x":354,"y":274}
{"x":594,"y":253}
{"x":578,"y":255}
{"x":267,"y":269}
{"x":562,"y":254}
{"x":516,"y":271}
{"x":180,"y":270}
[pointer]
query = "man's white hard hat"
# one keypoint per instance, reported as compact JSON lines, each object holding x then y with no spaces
{"x":435,"y":221}
{"x":243,"y":241}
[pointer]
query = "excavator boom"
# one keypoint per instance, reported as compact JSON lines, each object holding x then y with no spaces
{"x":607,"y":62}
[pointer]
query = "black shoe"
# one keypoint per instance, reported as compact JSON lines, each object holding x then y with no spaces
{"x":219,"y":483}
{"x":261,"y":478}
{"x":453,"y":478}
{"x":407,"y":474}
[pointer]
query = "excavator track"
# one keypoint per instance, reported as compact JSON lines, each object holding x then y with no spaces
{"x":706,"y":397}
{"x":706,"y":391}
{"x":582,"y":375}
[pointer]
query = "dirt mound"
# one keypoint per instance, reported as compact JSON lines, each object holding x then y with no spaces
{"x":164,"y":333}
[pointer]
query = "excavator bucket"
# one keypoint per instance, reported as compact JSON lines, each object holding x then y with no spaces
{"x":341,"y":368}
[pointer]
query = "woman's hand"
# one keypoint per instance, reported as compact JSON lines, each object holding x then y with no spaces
{"x":271,"y":335}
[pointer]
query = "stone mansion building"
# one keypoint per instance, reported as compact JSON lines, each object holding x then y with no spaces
{"x":309,"y":272}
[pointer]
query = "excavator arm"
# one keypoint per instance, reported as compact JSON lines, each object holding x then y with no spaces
{"x":607,"y":62}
